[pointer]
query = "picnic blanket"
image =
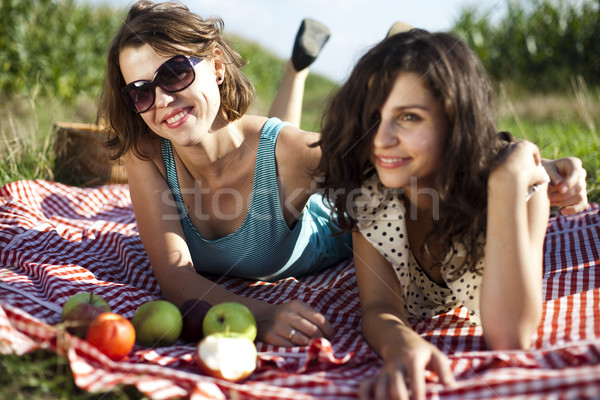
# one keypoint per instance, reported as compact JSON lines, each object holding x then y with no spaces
{"x":57,"y":240}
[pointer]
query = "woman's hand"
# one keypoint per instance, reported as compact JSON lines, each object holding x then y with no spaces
{"x":402,"y":375}
{"x":520,"y":170}
{"x":291,"y":324}
{"x":568,"y":188}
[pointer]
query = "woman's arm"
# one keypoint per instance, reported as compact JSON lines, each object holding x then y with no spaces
{"x":511,"y":292}
{"x":405,"y":353}
{"x":163,"y":239}
{"x":297,"y":161}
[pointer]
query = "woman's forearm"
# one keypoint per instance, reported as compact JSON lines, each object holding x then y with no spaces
{"x":511,"y":288}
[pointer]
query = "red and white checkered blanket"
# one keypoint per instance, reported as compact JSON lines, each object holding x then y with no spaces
{"x":57,"y":240}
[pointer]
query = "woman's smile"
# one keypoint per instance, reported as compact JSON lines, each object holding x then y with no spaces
{"x":177,"y":117}
{"x":392,"y":162}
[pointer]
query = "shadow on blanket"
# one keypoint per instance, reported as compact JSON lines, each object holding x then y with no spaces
{"x":57,"y":240}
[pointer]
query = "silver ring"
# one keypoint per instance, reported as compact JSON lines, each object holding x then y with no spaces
{"x":292,"y":333}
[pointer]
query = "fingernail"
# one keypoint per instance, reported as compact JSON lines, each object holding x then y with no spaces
{"x":562,"y":189}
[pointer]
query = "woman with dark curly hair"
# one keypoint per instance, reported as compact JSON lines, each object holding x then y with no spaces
{"x":445,"y":211}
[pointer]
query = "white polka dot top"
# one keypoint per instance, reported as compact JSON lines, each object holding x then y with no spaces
{"x":380,"y":214}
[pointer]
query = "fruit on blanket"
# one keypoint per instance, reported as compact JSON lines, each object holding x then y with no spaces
{"x":157,"y":323}
{"x":227,"y":356}
{"x":229,"y":318}
{"x":112,"y":334}
{"x":193,"y":312}
{"x":80,"y":309}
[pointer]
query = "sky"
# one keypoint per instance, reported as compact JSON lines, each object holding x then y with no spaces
{"x":355,"y":25}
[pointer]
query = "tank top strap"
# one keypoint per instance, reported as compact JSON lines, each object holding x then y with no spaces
{"x":266,"y":165}
{"x":272,"y":127}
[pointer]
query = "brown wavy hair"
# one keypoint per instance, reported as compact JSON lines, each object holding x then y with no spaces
{"x":457,"y":79}
{"x":170,"y":29}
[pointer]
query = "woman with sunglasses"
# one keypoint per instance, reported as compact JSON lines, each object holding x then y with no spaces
{"x":217,"y":192}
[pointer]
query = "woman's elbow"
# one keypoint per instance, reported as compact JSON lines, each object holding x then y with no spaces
{"x":508,"y":341}
{"x":511,"y":336}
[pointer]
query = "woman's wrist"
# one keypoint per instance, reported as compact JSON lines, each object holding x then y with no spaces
{"x":505,"y":183}
{"x":396,"y":345}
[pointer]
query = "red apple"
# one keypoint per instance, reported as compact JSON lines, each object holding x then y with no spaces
{"x":193,"y":312}
{"x":81,"y":309}
{"x":226,"y":356}
{"x":112,"y":334}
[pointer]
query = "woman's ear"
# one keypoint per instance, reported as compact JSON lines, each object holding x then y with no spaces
{"x":218,"y":65}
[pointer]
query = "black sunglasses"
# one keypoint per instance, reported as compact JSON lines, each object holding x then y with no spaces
{"x":172,"y":76}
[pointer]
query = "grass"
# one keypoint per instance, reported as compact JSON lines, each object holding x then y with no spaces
{"x":42,"y":375}
{"x":27,"y":133}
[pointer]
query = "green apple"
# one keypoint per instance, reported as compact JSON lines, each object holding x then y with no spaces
{"x":157,"y":323}
{"x":80,"y":309}
{"x":227,"y":356}
{"x":230,"y":318}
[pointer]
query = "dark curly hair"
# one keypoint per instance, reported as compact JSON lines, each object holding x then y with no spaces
{"x":170,"y":29}
{"x":456,"y":78}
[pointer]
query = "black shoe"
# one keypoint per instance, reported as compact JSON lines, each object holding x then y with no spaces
{"x":310,"y":39}
{"x":399,"y":27}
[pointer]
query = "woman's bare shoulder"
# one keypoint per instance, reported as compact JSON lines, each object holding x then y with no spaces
{"x":296,"y":142}
{"x":152,"y":162}
{"x":252,"y":124}
{"x":294,"y":145}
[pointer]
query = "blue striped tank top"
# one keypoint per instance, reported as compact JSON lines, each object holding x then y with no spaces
{"x":264,"y":247}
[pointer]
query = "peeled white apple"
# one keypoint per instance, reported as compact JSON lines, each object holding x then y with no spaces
{"x":226,"y":356}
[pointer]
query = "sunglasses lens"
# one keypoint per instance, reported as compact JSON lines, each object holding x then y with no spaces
{"x":139,"y":96}
{"x":175,"y":75}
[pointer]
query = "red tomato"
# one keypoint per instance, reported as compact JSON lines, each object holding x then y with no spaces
{"x":112,"y":334}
